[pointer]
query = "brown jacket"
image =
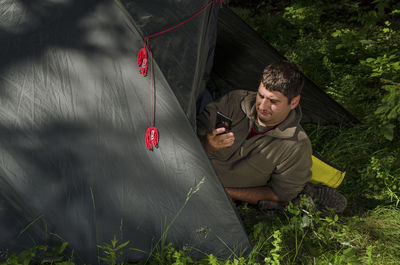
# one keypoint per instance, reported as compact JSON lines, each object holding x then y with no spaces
{"x":280,"y":157}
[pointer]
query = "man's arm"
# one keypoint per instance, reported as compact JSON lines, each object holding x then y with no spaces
{"x":294,"y":172}
{"x":253,"y":195}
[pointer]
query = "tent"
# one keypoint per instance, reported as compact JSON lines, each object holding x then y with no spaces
{"x":73,"y":114}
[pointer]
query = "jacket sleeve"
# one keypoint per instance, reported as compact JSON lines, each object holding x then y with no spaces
{"x":293,"y":172}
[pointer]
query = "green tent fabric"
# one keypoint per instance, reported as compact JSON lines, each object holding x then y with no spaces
{"x":73,"y":114}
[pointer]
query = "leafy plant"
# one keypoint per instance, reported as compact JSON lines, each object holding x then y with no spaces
{"x":275,"y":257}
{"x":113,"y":251}
{"x":40,"y":254}
{"x":379,"y":177}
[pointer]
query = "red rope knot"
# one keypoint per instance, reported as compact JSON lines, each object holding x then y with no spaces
{"x":142,"y":61}
{"x":151,"y":137}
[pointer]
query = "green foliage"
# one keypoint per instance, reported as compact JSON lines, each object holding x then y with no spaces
{"x":306,"y":16}
{"x":112,"y":251}
{"x":40,"y":254}
{"x":297,"y":236}
{"x":304,"y":236}
{"x":369,"y":259}
{"x":386,"y":69}
{"x":378,"y":175}
{"x":350,"y":49}
{"x":372,"y":166}
{"x":275,"y":257}
{"x":25,"y":256}
{"x":379,"y":233}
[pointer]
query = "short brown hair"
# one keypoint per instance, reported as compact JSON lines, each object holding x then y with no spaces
{"x":285,"y":77}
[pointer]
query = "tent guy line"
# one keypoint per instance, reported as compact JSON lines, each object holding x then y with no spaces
{"x":142,"y":62}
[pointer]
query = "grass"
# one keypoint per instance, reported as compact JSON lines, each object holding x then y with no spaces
{"x":315,"y":238}
{"x":292,"y":236}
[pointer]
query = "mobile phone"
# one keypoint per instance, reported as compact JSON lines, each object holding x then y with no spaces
{"x":223,"y":121}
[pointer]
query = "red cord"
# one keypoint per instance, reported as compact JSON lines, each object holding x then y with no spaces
{"x":183,"y":22}
{"x":146,"y":43}
{"x":151,"y":132}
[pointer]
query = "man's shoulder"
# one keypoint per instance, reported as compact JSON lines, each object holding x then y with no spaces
{"x":302,"y":135}
{"x":299,"y":142}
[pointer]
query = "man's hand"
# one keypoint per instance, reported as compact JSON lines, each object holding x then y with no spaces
{"x":217,"y":139}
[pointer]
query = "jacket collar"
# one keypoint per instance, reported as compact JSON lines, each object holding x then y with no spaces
{"x":285,"y":129}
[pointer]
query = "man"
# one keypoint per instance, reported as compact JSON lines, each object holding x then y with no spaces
{"x":266,"y":157}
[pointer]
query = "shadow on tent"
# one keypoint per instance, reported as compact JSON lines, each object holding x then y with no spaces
{"x":74,"y":110}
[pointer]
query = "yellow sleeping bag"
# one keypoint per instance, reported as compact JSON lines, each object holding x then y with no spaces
{"x":325,"y":173}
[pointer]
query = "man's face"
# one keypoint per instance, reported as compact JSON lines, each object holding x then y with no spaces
{"x":272,"y":106}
